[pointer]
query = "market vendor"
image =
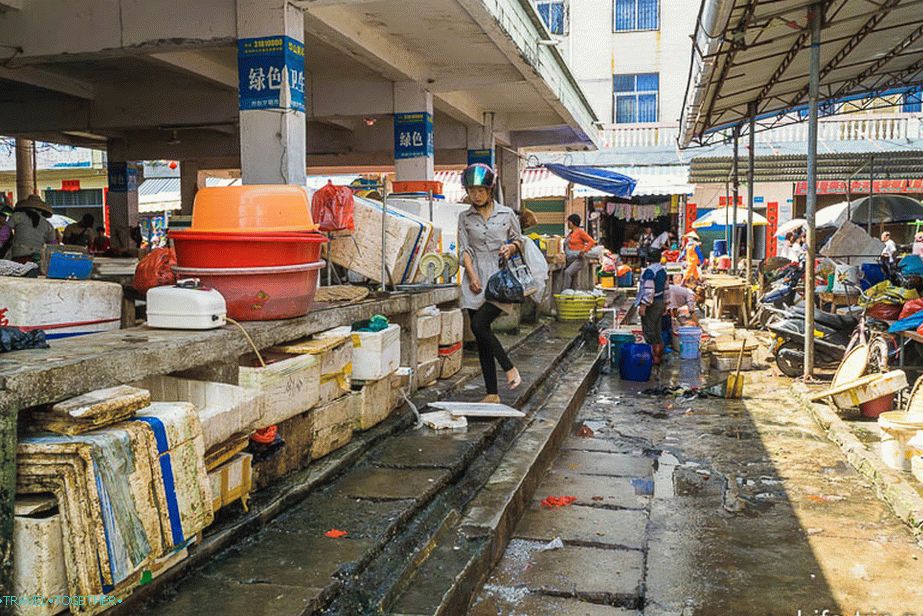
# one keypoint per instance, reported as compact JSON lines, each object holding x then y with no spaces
{"x":6,"y":233}
{"x":651,"y":302}
{"x":31,"y":229}
{"x":888,"y":253}
{"x":663,"y":241}
{"x":681,"y":300}
{"x":692,"y":257}
{"x":80,"y":233}
{"x":578,"y":243}
{"x":487,"y":231}
{"x":645,"y":241}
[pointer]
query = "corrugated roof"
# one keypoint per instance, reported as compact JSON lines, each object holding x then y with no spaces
{"x":757,"y":52}
{"x":717,"y":170}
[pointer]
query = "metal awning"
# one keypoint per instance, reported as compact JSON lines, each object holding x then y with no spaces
{"x":793,"y":168}
{"x":751,"y":58}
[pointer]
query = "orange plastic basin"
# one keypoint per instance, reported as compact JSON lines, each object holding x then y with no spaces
{"x":257,"y":207}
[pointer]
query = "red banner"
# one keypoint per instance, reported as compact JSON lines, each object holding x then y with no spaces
{"x":691,"y":213}
{"x":724,"y":201}
{"x":70,"y":185}
{"x":861,"y":187}
{"x":772,"y":216}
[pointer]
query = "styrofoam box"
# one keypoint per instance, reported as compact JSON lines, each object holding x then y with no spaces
{"x":232,"y":481}
{"x":53,"y":304}
{"x":289,"y":386}
{"x":428,"y":373}
{"x":451,"y":363}
{"x":373,"y":403}
{"x":38,"y":561}
{"x":224,"y":410}
{"x":452,"y":329}
{"x":429,"y":326}
{"x":427,"y":350}
{"x":376,"y":354}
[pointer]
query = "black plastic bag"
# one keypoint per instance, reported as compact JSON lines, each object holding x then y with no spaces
{"x":14,"y":339}
{"x":503,"y":287}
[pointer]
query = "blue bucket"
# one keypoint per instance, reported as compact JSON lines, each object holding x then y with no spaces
{"x":625,"y":281}
{"x":690,"y":339}
{"x":637,"y":362}
{"x":720,"y":248}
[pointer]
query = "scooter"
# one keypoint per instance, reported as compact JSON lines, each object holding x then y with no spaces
{"x":832,"y":334}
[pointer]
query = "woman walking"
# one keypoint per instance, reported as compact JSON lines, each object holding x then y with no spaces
{"x":487,"y":232}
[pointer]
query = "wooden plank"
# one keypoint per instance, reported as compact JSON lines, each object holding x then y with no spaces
{"x":77,"y":365}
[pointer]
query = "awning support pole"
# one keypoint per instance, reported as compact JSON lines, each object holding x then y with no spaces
{"x":751,"y":110}
{"x":735,"y":179}
{"x":814,"y":18}
{"x":868,"y":219}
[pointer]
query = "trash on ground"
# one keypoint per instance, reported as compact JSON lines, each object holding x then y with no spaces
{"x":335,"y":533}
{"x":585,"y":432}
{"x":443,"y":420}
{"x":551,"y":502}
{"x":554,"y":544}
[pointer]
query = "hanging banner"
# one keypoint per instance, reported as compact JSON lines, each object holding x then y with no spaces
{"x":413,"y":135}
{"x":485,"y":156}
{"x":270,"y":73}
{"x":691,"y":213}
{"x":123,"y":177}
{"x":861,"y":187}
{"x":772,"y":218}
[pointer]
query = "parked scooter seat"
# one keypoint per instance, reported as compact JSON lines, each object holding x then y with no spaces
{"x":834,"y":321}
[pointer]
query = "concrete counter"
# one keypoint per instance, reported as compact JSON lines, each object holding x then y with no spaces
{"x":77,"y":365}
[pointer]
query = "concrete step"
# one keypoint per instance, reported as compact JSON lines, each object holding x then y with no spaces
{"x":456,"y":565}
{"x":395,"y":493}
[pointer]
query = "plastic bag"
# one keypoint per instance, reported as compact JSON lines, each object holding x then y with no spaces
{"x":332,"y":208}
{"x":14,"y":339}
{"x":538,"y":265}
{"x":912,"y":307}
{"x":884,"y":311}
{"x":503,"y":287}
{"x":155,"y":270}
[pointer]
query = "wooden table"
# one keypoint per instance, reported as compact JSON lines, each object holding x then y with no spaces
{"x":835,"y":300}
{"x":724,"y":292}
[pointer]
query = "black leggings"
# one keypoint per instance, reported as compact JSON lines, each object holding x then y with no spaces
{"x":489,"y":348}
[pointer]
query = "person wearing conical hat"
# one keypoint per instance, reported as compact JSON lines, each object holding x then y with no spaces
{"x":692,"y":255}
{"x":31,"y":229}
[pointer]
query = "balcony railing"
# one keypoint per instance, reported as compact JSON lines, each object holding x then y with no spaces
{"x":853,"y":127}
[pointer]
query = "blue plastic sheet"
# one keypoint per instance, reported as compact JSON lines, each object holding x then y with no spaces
{"x":912,"y":322}
{"x":601,"y":179}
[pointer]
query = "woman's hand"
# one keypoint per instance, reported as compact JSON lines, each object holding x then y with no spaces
{"x":474,"y":283}
{"x":508,"y":250}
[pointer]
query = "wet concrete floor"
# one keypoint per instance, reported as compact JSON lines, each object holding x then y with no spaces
{"x":704,"y":506}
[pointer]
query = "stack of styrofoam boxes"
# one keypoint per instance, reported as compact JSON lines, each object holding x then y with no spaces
{"x":376,"y":356}
{"x":450,"y":342}
{"x":429,"y":326}
{"x":38,"y":555}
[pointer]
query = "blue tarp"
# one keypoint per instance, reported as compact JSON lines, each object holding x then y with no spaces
{"x":601,"y":179}
{"x":912,"y":322}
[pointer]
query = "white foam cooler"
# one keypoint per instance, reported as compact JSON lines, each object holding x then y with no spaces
{"x":376,"y":354}
{"x":185,"y":307}
{"x":62,"y":308}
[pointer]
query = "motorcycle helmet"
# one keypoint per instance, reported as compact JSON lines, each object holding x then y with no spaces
{"x":478,"y":174}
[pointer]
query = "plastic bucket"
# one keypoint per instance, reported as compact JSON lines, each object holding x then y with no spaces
{"x":254,"y":207}
{"x":625,"y":280}
{"x":690,"y":341}
{"x":261,"y":293}
{"x":617,"y":340}
{"x":254,"y":249}
{"x":896,"y":432}
{"x":720,"y":248}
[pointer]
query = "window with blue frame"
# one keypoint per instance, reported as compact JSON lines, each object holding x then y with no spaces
{"x":633,"y":15}
{"x":912,"y":102}
{"x":554,"y":14}
{"x":635,"y":97}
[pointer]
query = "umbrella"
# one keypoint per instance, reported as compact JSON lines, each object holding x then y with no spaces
{"x":59,"y":222}
{"x":787,"y":227}
{"x":885,"y":209}
{"x":723,"y":217}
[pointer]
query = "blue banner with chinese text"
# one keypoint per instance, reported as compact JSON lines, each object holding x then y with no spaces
{"x":413,"y":135}
{"x":271,"y":73}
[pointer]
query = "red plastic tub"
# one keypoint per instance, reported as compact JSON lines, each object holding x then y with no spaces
{"x":874,"y":408}
{"x":261,"y":293}
{"x":210,"y":249}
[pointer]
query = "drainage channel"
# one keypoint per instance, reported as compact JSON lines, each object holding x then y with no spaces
{"x":392,"y":501}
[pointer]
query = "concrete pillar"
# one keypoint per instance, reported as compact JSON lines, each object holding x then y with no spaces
{"x":123,"y":193}
{"x":188,"y":185}
{"x":270,"y":65}
{"x":25,"y":168}
{"x":510,"y":178}
{"x":481,"y":146}
{"x":413,"y":133}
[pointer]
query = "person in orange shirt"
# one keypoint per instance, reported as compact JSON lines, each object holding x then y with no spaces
{"x":578,"y":243}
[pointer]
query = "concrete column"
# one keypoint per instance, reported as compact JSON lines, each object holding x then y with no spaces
{"x":123,"y":193}
{"x":270,"y":64}
{"x":510,"y":178}
{"x":413,"y":133}
{"x":188,"y":185}
{"x":25,"y":168}
{"x":481,"y":146}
